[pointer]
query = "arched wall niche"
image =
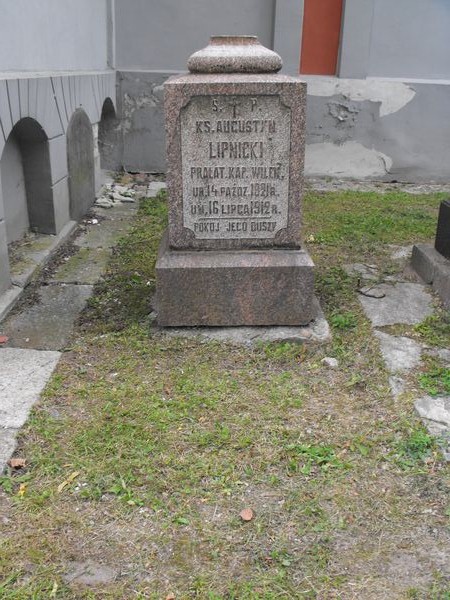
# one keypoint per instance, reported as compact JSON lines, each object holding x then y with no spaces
{"x":109,"y":138}
{"x":26,"y":181}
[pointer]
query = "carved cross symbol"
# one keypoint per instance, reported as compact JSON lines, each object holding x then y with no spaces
{"x":234,"y":104}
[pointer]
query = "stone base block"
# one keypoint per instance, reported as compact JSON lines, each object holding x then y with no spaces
{"x":433,"y":268}
{"x":234,"y":288}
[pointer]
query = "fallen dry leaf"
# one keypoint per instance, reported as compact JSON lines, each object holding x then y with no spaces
{"x":3,"y":339}
{"x":170,"y":597}
{"x":71,"y":477}
{"x":54,"y":590}
{"x":17,"y":463}
{"x":246,"y":514}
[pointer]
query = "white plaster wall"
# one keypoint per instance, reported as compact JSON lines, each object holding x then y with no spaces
{"x":410,"y":39}
{"x":47,"y":35}
{"x":162,"y":34}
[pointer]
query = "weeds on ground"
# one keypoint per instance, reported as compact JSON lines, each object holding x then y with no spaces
{"x":145,"y":448}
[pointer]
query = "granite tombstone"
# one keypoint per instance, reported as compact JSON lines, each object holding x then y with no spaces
{"x":235,"y":133}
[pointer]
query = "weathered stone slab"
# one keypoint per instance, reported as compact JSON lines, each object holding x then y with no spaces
{"x":105,"y":236}
{"x":234,"y":288}
{"x":85,"y":267}
{"x":235,"y":146}
{"x":23,"y":375}
{"x":400,"y":353}
{"x":403,"y":303}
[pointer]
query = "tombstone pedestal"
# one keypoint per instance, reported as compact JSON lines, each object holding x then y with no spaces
{"x":229,"y":288}
{"x":235,"y":146}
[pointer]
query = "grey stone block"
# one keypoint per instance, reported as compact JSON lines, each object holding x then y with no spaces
{"x":37,"y":253}
{"x":67,"y":95}
{"x":433,"y":268}
{"x":80,"y":161}
{"x":400,"y":354}
{"x":58,"y":158}
{"x":422,"y":261}
{"x":61,"y":204}
{"x":441,"y":283}
{"x":232,"y":288}
{"x":23,"y":94}
{"x":85,"y":267}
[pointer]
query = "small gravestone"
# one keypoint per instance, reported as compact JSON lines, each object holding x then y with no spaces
{"x":442,"y":241}
{"x":235,"y":147}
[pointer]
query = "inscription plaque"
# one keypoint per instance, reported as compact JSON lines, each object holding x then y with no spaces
{"x":235,"y":154}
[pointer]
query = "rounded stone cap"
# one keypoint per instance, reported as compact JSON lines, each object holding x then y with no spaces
{"x":234,"y":54}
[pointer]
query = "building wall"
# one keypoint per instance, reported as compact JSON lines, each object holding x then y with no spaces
{"x":52,"y":35}
{"x":54,"y":60}
{"x":160,"y":35}
{"x":406,"y":39}
{"x":361,"y":124}
{"x":410,"y":39}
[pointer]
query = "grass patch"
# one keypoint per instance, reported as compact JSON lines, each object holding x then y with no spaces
{"x":435,"y":381}
{"x":435,"y":329}
{"x":369,"y":219}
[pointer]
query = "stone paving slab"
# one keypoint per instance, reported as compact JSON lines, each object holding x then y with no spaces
{"x":48,"y":323}
{"x":37,"y":252}
{"x":401,"y":354}
{"x":408,"y":303}
{"x":104,"y":236}
{"x":23,"y":376}
{"x":84,"y":267}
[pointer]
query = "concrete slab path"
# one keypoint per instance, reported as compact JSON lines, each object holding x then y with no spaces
{"x":23,"y":375}
{"x":48,"y":323}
